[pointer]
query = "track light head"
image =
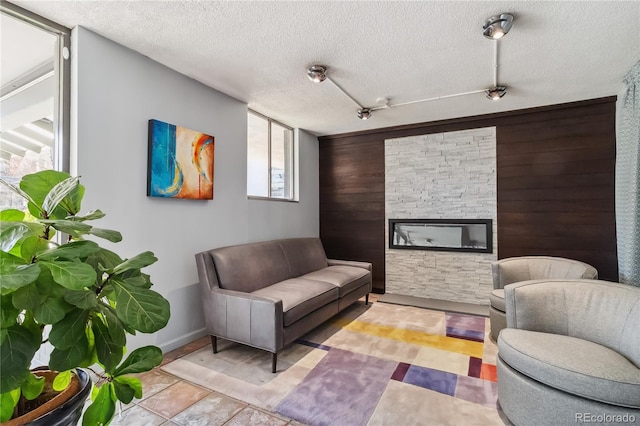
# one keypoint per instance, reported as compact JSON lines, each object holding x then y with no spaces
{"x":496,"y":92}
{"x":317,"y":73}
{"x":364,"y":113}
{"x":498,"y":26}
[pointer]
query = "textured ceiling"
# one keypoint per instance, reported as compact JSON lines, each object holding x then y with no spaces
{"x":257,"y":52}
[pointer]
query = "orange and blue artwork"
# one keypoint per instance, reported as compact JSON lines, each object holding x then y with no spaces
{"x":180,"y":162}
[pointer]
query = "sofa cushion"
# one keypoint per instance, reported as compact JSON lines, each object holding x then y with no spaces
{"x":299,"y":296}
{"x":346,"y":278}
{"x":572,"y":365}
{"x":497,"y":299}
{"x":304,"y":255}
{"x":249,"y":267}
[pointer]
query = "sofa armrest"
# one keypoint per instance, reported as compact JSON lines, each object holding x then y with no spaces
{"x":364,"y":265}
{"x":244,"y":318}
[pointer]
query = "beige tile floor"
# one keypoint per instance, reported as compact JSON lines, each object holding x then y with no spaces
{"x":169,"y":400}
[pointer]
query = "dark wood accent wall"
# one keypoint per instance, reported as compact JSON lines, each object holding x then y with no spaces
{"x":352,"y":202}
{"x":555,"y":169}
{"x":556,"y":173}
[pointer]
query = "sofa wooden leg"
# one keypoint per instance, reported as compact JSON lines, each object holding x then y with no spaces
{"x":274,"y":361}
{"x":214,"y":344}
{"x":366,"y":299}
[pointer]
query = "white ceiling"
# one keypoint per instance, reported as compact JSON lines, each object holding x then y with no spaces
{"x":257,"y":52}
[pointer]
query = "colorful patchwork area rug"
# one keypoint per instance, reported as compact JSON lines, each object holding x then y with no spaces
{"x":380,"y":364}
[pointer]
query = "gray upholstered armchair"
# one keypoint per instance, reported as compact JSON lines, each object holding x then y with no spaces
{"x":571,"y":353}
{"x":516,"y":269}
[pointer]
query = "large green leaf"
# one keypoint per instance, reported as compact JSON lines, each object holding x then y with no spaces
{"x":66,"y":359}
{"x":19,"y":277}
{"x":18,"y":346}
{"x":137,"y":262}
{"x":59,"y":192}
{"x":127,"y":388}
{"x":101,"y":411}
{"x":28,"y":297}
{"x":73,"y":250}
{"x":75,"y":229}
{"x":52,"y":310}
{"x":104,"y":260}
{"x":143,"y":309}
{"x":141,"y":360}
{"x":8,"y":402}
{"x":8,"y":312}
{"x":65,"y":333}
{"x":62,"y":380}
{"x":115,"y":326}
{"x":39,"y":184}
{"x":109,"y":353}
{"x":135,"y":278}
{"x":92,"y":215}
{"x":107,"y":234}
{"x":71,"y":275}
{"x":11,"y":215}
{"x":83,"y":299}
{"x":31,"y":246}
{"x":32,"y":387}
{"x":11,"y":233}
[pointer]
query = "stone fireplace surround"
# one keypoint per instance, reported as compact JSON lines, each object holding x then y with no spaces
{"x":448,"y":175}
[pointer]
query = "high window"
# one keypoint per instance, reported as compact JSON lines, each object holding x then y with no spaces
{"x":270,"y":159}
{"x":34,"y":97}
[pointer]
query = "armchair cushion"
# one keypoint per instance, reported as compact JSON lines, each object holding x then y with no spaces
{"x":573,"y":365}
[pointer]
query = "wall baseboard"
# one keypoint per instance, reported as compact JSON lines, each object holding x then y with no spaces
{"x":182,"y":340}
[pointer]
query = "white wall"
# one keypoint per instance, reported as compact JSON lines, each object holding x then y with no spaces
{"x":441,"y":176}
{"x":115,"y":91}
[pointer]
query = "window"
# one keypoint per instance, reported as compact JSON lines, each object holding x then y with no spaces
{"x":34,"y":97}
{"x":269,"y":159}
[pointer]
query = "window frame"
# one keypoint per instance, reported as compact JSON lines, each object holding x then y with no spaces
{"x":294,"y":162}
{"x":62,"y":73}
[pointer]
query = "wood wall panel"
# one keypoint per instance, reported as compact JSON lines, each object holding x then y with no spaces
{"x":555,"y":170}
{"x":556,"y":186}
{"x":352,"y":202}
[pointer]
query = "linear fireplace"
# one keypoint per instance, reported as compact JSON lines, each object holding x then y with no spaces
{"x":465,"y":235}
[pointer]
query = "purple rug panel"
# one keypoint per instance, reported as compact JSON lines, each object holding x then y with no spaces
{"x":472,"y":389}
{"x":475,"y":367}
{"x":400,"y":372}
{"x":343,"y":389}
{"x":465,"y":322}
{"x":435,"y":380}
{"x":476,"y":336}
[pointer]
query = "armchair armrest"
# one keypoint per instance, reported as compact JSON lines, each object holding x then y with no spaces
{"x":244,"y":318}
{"x":364,"y":265}
{"x":536,"y":305}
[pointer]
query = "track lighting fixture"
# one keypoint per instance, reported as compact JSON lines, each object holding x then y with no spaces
{"x":494,"y":28}
{"x":317,"y":73}
{"x":498,"y":26}
{"x":364,"y":113}
{"x":496,"y":92}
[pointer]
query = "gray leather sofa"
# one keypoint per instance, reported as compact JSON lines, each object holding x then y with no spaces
{"x":516,"y":269}
{"x":268,"y":294}
{"x":571,"y":353}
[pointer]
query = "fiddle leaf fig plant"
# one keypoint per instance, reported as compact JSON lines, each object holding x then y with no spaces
{"x":83,"y":299}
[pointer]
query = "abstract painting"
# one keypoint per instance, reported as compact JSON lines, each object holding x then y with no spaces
{"x":180,"y":162}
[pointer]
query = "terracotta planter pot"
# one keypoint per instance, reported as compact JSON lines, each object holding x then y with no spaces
{"x":63,"y":409}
